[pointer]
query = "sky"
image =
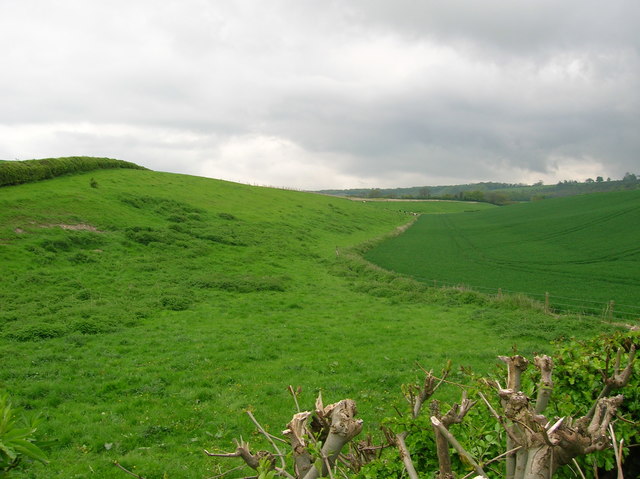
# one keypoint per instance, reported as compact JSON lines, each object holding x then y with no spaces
{"x":312,"y":94}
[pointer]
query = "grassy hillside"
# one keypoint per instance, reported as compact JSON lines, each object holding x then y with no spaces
{"x":583,"y":250}
{"x":144,"y":313}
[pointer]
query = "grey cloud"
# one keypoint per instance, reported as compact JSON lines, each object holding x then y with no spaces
{"x":517,"y":27}
{"x":370,"y":88}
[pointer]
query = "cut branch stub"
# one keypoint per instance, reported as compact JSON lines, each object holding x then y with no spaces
{"x":343,"y":428}
{"x":242,"y":451}
{"x":545,"y":365}
{"x":597,"y":429}
{"x":567,"y":441}
{"x":457,"y":446}
{"x":343,"y":423}
{"x":515,"y":404}
{"x":427,"y":390}
{"x":364,"y":451}
{"x":545,"y":447}
{"x":417,"y":395}
{"x":252,"y":460}
{"x":442,"y":444}
{"x":621,"y":378}
{"x":455,"y":415}
{"x":516,"y":365}
{"x":320,"y":422}
{"x":458,"y":411}
{"x":405,"y":455}
{"x":296,"y":432}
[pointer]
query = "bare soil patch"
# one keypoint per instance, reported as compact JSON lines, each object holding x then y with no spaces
{"x":76,"y":227}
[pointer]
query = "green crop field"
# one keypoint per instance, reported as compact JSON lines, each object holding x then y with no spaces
{"x":582,"y":250}
{"x":142,"y":313}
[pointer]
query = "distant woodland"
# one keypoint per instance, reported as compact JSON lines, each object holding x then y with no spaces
{"x":497,"y":193}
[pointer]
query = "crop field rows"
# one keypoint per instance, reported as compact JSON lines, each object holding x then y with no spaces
{"x":582,"y":251}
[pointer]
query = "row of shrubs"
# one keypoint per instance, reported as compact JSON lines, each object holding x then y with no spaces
{"x":28,"y":171}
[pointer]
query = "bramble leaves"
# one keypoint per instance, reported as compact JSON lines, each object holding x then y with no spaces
{"x":17,"y":437}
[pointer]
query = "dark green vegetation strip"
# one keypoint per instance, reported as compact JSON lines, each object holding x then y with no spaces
{"x":583,"y":250}
{"x":498,"y":193}
{"x":144,"y":314}
{"x":430,"y":207}
{"x":18,"y":172}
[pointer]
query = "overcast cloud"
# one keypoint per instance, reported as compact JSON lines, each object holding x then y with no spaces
{"x":331,"y":94}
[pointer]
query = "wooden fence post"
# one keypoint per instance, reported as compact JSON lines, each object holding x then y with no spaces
{"x":499,"y":293}
{"x":546,"y":302}
{"x":612,"y":305}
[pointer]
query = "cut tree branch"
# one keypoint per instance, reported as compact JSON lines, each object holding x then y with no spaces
{"x":545,"y":364}
{"x":405,"y":456}
{"x":516,"y":365}
{"x":619,"y":379}
{"x":268,"y":436}
{"x":457,"y":446}
{"x":344,"y":427}
{"x":243,"y":452}
{"x":296,"y":432}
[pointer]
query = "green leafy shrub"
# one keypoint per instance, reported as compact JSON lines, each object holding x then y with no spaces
{"x":579,"y":379}
{"x":28,"y":171}
{"x":18,"y":442}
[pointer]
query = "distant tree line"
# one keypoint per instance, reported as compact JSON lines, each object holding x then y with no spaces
{"x":456,"y":193}
{"x":497,"y":193}
{"x":27,"y":171}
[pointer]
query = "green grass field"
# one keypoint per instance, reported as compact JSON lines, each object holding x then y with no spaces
{"x":583,"y":250}
{"x":142,"y":317}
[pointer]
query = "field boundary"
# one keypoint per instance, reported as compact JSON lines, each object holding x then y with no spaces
{"x":605,"y":310}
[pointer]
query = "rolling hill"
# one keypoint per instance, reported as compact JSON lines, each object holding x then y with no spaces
{"x":141,"y":313}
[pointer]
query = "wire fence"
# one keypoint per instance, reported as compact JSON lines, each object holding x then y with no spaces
{"x":553,"y":303}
